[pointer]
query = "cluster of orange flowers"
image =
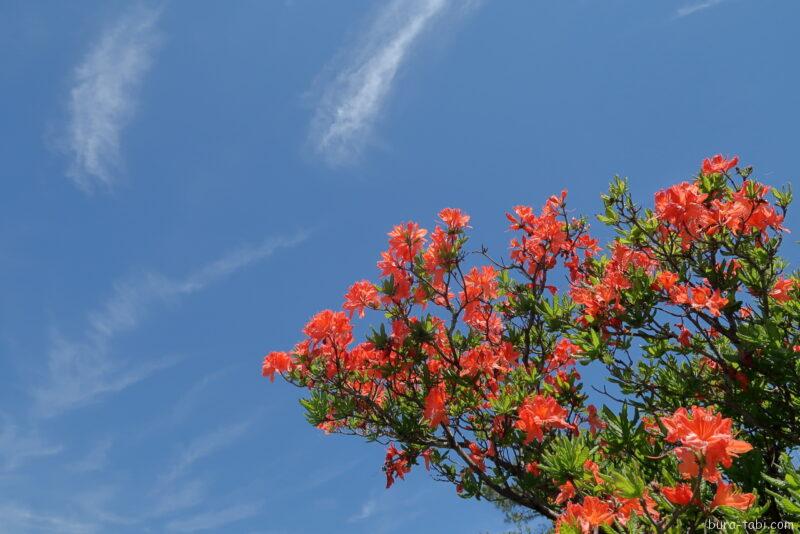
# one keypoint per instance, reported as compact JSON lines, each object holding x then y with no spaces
{"x":691,"y":214}
{"x":418,"y":269}
{"x":706,"y":441}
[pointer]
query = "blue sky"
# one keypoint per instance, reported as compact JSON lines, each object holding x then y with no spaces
{"x":186,"y":183}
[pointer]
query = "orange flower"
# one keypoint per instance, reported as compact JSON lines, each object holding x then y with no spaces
{"x":595,"y":423}
{"x":565,"y":493}
{"x":545,"y":235}
{"x":477,"y":456}
{"x":596,"y":512}
{"x":562,"y":355}
{"x":680,"y":495}
{"x":748,"y":210}
{"x":539,"y":413}
{"x":689,"y":465}
{"x":331,"y":326}
{"x":426,"y":455}
{"x":685,"y":338}
{"x":702,"y":297}
{"x":483,"y":359}
{"x":440,"y":256}
{"x":395,"y":464}
{"x":723,"y":451}
{"x":718,"y":163}
{"x":634,"y":506}
{"x":679,"y":294}
{"x":533,"y":468}
{"x":392,"y":267}
{"x":570,"y":518}
{"x":591,"y":513}
{"x":666,"y":279}
{"x":594,"y":469}
{"x":701,"y":428}
{"x":780,"y":291}
{"x":276,"y":362}
{"x":435,"y":409}
{"x":730,"y":495}
{"x":682,"y":206}
{"x":602,"y":298}
{"x":362,"y":294}
{"x":480,"y":284}
{"x":406,"y":240}
{"x":706,"y":433}
{"x":454,"y":218}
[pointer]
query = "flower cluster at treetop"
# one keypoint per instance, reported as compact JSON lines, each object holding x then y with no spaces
{"x":474,"y":372}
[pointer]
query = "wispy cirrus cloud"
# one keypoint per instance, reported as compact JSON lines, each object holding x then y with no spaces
{"x":206,"y":445}
{"x":352,"y":101}
{"x":18,"y":446}
{"x":367,"y":510}
{"x":81,"y":372}
{"x":94,"y":459}
{"x":386,"y":513}
{"x":317,"y":478}
{"x":96,"y":504}
{"x":82,"y":369}
{"x":178,"y":488}
{"x":690,"y":9}
{"x":102,"y":99}
{"x":179,"y":497}
{"x":188,"y":401}
{"x":17,"y":517}
{"x":215,"y":519}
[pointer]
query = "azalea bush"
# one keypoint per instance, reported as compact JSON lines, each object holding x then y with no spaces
{"x":473,"y":371}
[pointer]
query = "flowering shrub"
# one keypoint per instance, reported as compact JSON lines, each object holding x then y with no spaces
{"x":474,"y":372}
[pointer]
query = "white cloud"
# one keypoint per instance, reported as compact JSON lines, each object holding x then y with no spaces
{"x":367,"y":510}
{"x":190,"y":398}
{"x":215,"y":519}
{"x":187,"y":495}
{"x":102,"y":100}
{"x":95,"y":503}
{"x":18,"y":518}
{"x":387,"y":511}
{"x":694,"y":8}
{"x":174,"y":491}
{"x":188,"y":401}
{"x":350,"y":104}
{"x":95,"y":458}
{"x":320,"y":477}
{"x":205,"y":446}
{"x":80,"y":371}
{"x":18,"y":447}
